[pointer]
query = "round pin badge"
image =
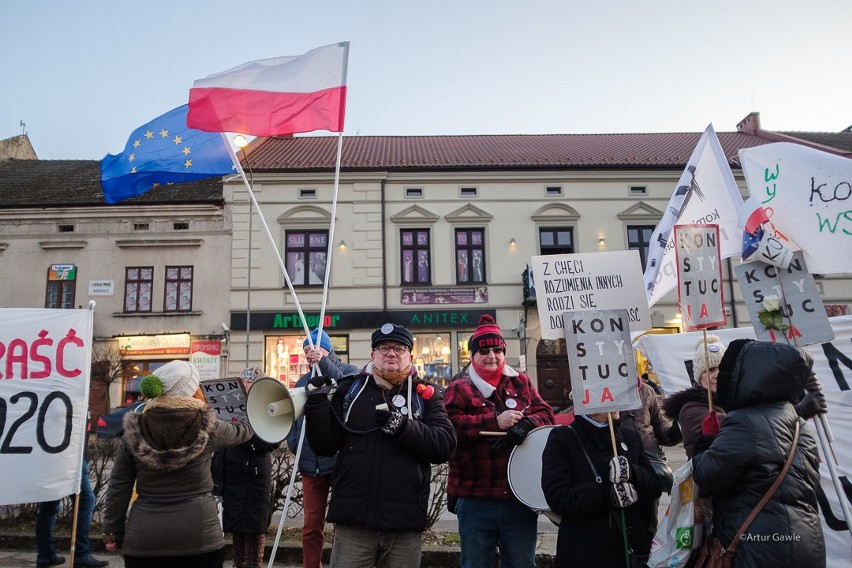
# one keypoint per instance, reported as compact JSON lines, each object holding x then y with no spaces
{"x":511,"y":403}
{"x":403,"y":411}
{"x":398,"y":401}
{"x":623,"y":446}
{"x":387,"y":328}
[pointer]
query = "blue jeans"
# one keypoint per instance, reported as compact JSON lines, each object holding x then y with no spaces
{"x":356,"y":547}
{"x":46,"y":517}
{"x":485,"y":523}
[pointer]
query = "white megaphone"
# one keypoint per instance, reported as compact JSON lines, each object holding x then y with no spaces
{"x":272,"y":408}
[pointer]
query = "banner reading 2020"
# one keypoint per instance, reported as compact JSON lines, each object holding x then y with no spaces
{"x":45,"y":362}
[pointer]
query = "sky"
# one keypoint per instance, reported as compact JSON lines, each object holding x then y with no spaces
{"x":83,"y":75}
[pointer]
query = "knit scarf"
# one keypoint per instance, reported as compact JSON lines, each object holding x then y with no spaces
{"x":395,"y":378}
{"x":492,"y":377}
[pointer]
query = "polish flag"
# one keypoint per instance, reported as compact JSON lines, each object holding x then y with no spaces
{"x":273,"y":97}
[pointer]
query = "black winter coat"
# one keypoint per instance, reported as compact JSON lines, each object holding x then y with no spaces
{"x":757,"y":383}
{"x":381,"y":482}
{"x":243,"y":477}
{"x":589,"y":533}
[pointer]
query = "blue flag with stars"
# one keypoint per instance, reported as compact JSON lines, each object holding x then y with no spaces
{"x":164,"y":152}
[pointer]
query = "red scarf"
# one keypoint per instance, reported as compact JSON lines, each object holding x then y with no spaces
{"x":489,"y":376}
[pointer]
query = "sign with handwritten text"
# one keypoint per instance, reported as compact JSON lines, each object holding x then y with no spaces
{"x":602,"y":363}
{"x":589,"y":281}
{"x":699,"y":276}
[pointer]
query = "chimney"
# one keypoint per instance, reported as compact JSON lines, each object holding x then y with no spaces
{"x":750,"y":124}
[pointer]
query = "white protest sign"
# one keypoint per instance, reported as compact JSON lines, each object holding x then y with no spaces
{"x":807,"y":196}
{"x":45,"y":364}
{"x":227,"y":397}
{"x":589,"y":281}
{"x":602,"y":363}
{"x":671,"y":356}
{"x":804,"y":320}
{"x":699,"y":276}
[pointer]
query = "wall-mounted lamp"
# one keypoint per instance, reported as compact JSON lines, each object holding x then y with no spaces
{"x":602,"y":240}
{"x":513,"y":243}
{"x":342,"y":245}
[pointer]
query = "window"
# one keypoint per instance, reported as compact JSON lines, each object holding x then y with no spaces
{"x":138,"y":284}
{"x":556,"y":240}
{"x":61,"y":286}
{"x":306,"y":256}
{"x":638,"y":237}
{"x":470,"y":256}
{"x":141,"y":226}
{"x":468,"y":192}
{"x":415,"y":256}
{"x":413,"y":192}
{"x":180,"y":226}
{"x":178,"y":296}
{"x":307,"y":194}
{"x":638,"y":190}
{"x":553,"y":190}
{"x":66,"y":228}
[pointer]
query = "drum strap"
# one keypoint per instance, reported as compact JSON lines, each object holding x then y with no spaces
{"x":598,"y":478}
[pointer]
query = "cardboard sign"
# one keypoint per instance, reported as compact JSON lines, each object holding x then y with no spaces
{"x":602,"y":364}
{"x":588,"y":282}
{"x":804,"y":319}
{"x":227,"y":397}
{"x":699,"y":276}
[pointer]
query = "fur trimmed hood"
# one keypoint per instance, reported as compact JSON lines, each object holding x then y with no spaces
{"x":673,"y":404}
{"x":168,"y":436}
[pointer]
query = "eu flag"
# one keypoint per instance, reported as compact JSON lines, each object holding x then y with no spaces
{"x":164,"y":152}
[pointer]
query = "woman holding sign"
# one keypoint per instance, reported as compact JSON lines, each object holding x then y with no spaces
{"x":599,"y":496}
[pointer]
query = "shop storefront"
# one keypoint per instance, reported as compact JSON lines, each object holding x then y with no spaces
{"x":440,"y":339}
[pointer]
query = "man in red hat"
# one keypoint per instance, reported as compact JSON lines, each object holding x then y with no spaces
{"x":491,"y":396}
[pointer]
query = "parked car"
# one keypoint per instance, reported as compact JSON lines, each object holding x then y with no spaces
{"x":109,"y":425}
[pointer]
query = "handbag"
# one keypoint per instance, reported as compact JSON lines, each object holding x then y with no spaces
{"x":662,"y":470}
{"x":713,"y":554}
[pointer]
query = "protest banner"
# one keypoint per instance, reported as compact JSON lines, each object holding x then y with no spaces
{"x":671,"y":357}
{"x":798,"y":316}
{"x":227,"y":397}
{"x":699,"y":276}
{"x":602,"y":363}
{"x":806,"y":195}
{"x":45,"y":365}
{"x":589,"y":281}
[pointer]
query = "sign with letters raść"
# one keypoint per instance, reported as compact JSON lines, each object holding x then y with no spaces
{"x":602,"y":364}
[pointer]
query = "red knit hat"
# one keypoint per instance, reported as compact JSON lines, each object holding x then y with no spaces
{"x":488,"y":334}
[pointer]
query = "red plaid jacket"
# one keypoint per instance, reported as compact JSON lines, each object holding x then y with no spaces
{"x":477,"y":471}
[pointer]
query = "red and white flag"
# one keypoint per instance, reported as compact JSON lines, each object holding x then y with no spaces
{"x":272,"y":97}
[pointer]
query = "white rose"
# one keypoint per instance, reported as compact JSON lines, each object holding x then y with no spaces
{"x":771,"y":303}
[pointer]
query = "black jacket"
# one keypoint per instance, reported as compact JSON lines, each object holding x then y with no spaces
{"x":757,"y":383}
{"x":589,"y":533}
{"x":243,"y":477}
{"x":381,"y":482}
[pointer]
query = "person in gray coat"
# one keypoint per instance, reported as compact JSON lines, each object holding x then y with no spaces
{"x":166,"y":453}
{"x":758,"y":384}
{"x":317,"y":472}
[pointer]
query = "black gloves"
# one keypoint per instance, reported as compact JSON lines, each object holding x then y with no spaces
{"x":514,"y":435}
{"x":674,"y":434}
{"x":814,"y":401}
{"x":319,"y":386}
{"x":391,"y":423}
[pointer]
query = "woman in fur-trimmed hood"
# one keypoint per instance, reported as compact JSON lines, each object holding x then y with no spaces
{"x":166,"y":452}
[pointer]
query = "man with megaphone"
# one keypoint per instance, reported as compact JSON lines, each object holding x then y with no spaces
{"x":388,"y":426}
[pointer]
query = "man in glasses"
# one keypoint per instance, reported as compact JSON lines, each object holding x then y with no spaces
{"x":491,"y":397}
{"x":389,"y":426}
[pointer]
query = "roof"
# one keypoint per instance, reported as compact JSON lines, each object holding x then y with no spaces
{"x":491,"y":152}
{"x":64,"y":183}
{"x":841,"y":140}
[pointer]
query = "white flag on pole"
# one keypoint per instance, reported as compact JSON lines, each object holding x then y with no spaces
{"x":705,"y":194}
{"x":805,"y":194}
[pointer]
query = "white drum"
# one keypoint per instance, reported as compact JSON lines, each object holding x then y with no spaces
{"x":525,"y":472}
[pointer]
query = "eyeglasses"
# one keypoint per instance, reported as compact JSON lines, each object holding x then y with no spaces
{"x":485,"y":350}
{"x":385,"y":349}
